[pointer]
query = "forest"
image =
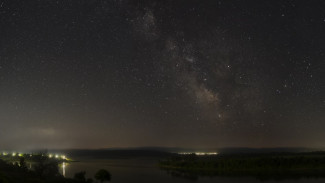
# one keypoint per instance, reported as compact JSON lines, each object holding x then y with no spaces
{"x":262,"y":166}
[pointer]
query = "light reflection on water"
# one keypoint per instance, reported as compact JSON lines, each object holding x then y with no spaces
{"x":146,"y":171}
{"x":62,"y":167}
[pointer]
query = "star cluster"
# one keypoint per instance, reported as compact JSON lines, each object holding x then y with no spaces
{"x":91,"y":74}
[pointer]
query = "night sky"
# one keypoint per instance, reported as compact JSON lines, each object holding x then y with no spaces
{"x":173,"y":73}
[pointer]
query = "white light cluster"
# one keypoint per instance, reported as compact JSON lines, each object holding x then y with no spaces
{"x":199,"y":153}
{"x":58,"y":156}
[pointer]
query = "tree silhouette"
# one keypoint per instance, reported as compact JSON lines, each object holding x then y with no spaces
{"x":46,"y":168}
{"x":80,"y":176}
{"x":103,"y":175}
{"x":22,"y":163}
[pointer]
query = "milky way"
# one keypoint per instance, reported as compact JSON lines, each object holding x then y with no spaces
{"x":94,"y":74}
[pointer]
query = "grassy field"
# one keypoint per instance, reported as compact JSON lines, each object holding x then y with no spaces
{"x":263,"y":166}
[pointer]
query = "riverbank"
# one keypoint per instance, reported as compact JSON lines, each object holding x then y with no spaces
{"x":263,"y":166}
{"x":35,"y":157}
{"x":18,"y":172}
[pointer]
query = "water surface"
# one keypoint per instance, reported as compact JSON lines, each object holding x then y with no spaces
{"x":146,"y":170}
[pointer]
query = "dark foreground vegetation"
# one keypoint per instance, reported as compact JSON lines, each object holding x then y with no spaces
{"x":45,"y":170}
{"x":261,"y":166}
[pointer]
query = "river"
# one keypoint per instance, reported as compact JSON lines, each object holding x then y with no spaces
{"x":145,"y":170}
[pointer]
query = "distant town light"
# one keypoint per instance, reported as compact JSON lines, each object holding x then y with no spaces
{"x":199,"y":153}
{"x":13,"y":154}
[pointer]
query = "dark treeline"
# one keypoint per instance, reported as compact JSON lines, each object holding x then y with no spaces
{"x":45,"y":170}
{"x":263,"y":166}
{"x":31,"y":158}
{"x":118,"y":153}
